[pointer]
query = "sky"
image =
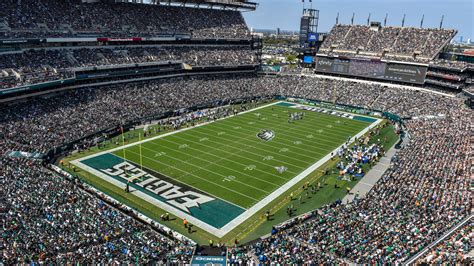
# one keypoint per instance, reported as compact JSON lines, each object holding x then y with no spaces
{"x":286,"y":14}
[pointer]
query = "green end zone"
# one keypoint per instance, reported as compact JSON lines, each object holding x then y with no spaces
{"x":218,"y":174}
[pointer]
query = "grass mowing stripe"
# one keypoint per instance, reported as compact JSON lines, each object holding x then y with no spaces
{"x":278,"y":144}
{"x":326,"y":118}
{"x":331,"y":130}
{"x":226,"y":158}
{"x":311,"y":118}
{"x":219,"y":158}
{"x":227,"y":147}
{"x":211,"y":171}
{"x":199,"y":177}
{"x":255,"y":143}
{"x":255,"y":146}
{"x":295,"y":128}
{"x":296,"y":136}
{"x":251,"y":157}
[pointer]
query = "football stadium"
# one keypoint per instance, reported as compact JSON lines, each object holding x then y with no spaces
{"x":173,"y":133}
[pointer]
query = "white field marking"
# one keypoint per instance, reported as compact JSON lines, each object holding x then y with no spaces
{"x":192,"y":174}
{"x":231,"y":153}
{"x":220,"y":158}
{"x":254,"y":147}
{"x":244,"y":216}
{"x":270,"y":146}
{"x":212,"y":162}
{"x":250,"y":167}
{"x":205,"y":169}
{"x":296,"y":128}
{"x":340,"y":111}
{"x":280,"y":133}
{"x":328,"y":120}
{"x":268,"y":158}
{"x":237,"y":141}
{"x":168,"y":208}
{"x":171,"y":133}
{"x":269,"y":198}
{"x":289,"y":144}
{"x":159,"y":154}
{"x":229,"y":178}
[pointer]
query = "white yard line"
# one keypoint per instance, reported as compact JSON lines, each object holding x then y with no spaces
{"x":223,"y":158}
{"x":202,"y":168}
{"x":244,"y":216}
{"x":254,"y":148}
{"x":211,"y":163}
{"x":310,"y":156}
{"x":293,"y":135}
{"x":254,"y":209}
{"x":170,"y":133}
{"x":152,"y":200}
{"x":241,"y":156}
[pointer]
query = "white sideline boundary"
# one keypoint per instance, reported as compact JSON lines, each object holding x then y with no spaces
{"x":242,"y":217}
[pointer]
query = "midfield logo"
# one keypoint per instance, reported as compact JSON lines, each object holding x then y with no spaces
{"x":266,"y":134}
{"x":171,"y":193}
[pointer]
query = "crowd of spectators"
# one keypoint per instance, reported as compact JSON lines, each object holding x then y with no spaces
{"x":48,"y":218}
{"x":424,"y":192}
{"x":40,"y":65}
{"x":72,"y":18}
{"x":421,"y":196}
{"x":450,"y":64}
{"x":455,"y":250}
{"x":391,"y":42}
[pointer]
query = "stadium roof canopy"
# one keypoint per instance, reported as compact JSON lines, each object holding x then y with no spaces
{"x":241,"y":5}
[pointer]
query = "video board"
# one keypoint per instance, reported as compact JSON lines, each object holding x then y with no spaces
{"x":371,"y":68}
{"x":308,"y":59}
{"x":405,"y":73}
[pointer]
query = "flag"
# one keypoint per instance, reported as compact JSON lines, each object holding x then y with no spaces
{"x":140,"y":146}
{"x":123,"y":147}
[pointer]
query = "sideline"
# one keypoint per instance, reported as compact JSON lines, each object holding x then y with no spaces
{"x":373,"y":176}
{"x":249,"y":212}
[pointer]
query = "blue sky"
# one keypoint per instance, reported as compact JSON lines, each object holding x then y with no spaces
{"x":285,"y":14}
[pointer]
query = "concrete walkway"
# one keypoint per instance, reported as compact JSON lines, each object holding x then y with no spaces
{"x":368,"y":181}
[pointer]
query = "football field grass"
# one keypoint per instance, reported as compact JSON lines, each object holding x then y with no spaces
{"x":226,"y":159}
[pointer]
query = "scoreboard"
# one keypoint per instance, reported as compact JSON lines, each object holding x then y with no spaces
{"x":372,"y":68}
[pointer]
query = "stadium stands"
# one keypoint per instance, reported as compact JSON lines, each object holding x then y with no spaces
{"x":40,"y":65}
{"x":392,"y":43}
{"x":48,"y":218}
{"x":72,"y":18}
{"x":423,"y":188}
{"x":454,"y":250}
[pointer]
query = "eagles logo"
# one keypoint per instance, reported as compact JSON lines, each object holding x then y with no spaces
{"x":266,"y":134}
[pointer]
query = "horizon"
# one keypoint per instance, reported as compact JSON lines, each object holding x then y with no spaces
{"x":286,"y":14}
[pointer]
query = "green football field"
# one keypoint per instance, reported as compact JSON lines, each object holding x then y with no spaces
{"x":226,"y":159}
